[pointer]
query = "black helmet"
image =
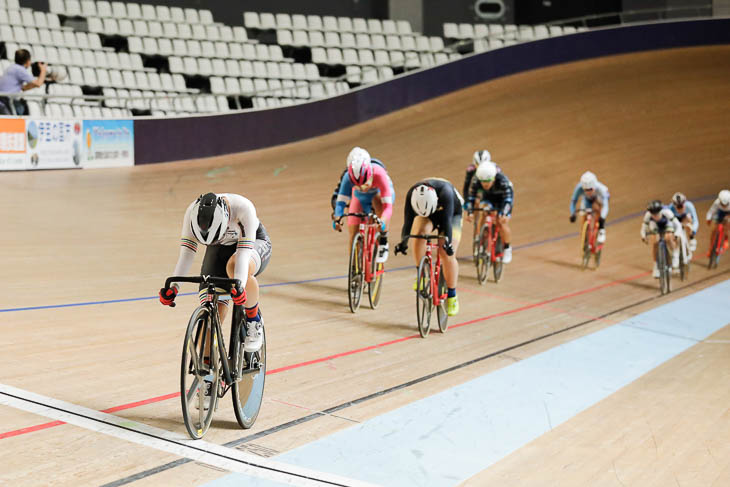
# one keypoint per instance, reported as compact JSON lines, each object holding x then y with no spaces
{"x":654,"y":207}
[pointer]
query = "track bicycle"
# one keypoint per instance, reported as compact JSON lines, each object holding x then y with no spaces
{"x":363,"y":268}
{"x":588,"y":245}
{"x":719,"y":241}
{"x":664,"y":264}
{"x":431,"y":289}
{"x":207,"y":370}
{"x":489,"y":248}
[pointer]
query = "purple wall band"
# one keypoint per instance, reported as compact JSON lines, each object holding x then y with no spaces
{"x":160,"y":140}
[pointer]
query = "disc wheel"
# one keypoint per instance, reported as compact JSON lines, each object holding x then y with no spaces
{"x":441,"y":309}
{"x":248,"y":393}
{"x":498,"y":265}
{"x":424,"y":299}
{"x":376,"y":283}
{"x":355,"y":275}
{"x":199,"y":378}
{"x":482,"y":256}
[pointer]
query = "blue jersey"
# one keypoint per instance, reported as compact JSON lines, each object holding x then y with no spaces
{"x":345,"y":192}
{"x":689,"y":209}
{"x":601,"y":192}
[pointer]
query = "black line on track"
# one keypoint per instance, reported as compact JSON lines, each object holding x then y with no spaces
{"x":167,"y":440}
{"x":345,"y":405}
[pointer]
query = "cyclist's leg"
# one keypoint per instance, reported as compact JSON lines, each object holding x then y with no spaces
{"x":713,"y":233}
{"x":421,"y":226}
{"x":451,"y":266}
{"x":358,"y":204}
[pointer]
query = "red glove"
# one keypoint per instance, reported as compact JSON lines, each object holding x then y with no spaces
{"x":238,"y":295}
{"x":167,"y":296}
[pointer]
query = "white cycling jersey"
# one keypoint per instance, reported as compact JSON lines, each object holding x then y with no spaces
{"x":241,"y":231}
{"x":715,"y":208}
{"x":668,"y":221}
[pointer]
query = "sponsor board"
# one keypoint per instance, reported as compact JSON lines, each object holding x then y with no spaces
{"x":53,"y":144}
{"x":108,"y":143}
{"x":12,"y":144}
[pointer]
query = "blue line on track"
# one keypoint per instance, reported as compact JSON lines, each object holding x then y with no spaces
{"x":318,"y":279}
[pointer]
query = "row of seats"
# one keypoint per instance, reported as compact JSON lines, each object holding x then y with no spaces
{"x":247,"y":86}
{"x":49,"y":37}
{"x":170,"y":30}
{"x":127,"y":79}
{"x":361,"y":41}
{"x":257,"y":20}
{"x":256,"y":69}
{"x":149,"y":100}
{"x":77,"y":110}
{"x":366,"y":57}
{"x":14,"y":4}
{"x":29,"y":18}
{"x":508,"y":31}
{"x":220,"y":49}
{"x":129,"y":10}
{"x":80,"y":57}
{"x":261,"y":102}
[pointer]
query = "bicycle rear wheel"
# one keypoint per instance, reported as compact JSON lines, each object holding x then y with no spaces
{"x":355,"y":275}
{"x":248,"y":393}
{"x":196,"y":375}
{"x":441,"y":313}
{"x":498,"y":266}
{"x":377,"y":279}
{"x":424,"y":299}
{"x":482,"y":256}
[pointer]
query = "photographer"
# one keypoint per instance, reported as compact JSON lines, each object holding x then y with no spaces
{"x":17,"y":78}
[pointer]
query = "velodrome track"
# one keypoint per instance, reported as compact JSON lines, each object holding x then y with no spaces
{"x":103,"y":241}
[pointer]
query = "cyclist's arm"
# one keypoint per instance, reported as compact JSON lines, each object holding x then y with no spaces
{"x":471,"y":195}
{"x":645,"y":224}
{"x":408,"y":216}
{"x":344,"y":195}
{"x":713,"y":210}
{"x":446,"y":215}
{"x":467,"y":179}
{"x":383,"y":183}
{"x":249,"y":222}
{"x":188,"y":247}
{"x":574,"y":199}
{"x":693,"y":213}
{"x":509,"y":196}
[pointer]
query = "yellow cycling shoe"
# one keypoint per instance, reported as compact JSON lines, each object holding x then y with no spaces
{"x":452,"y":306}
{"x":415,"y":285}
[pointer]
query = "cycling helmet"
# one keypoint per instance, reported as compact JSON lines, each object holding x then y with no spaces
{"x":424,"y":200}
{"x":359,"y":167}
{"x":724,"y":197}
{"x":487,"y":172}
{"x":654,"y":207}
{"x":588,"y":181}
{"x":481,"y":156}
{"x":679,"y":199}
{"x":209,"y":219}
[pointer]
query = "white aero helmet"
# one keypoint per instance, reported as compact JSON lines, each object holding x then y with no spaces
{"x":588,"y":180}
{"x":487,"y":172}
{"x":209,"y":218}
{"x":424,"y":200}
{"x":724,"y":197}
{"x":481,"y":156}
{"x":359,"y":167}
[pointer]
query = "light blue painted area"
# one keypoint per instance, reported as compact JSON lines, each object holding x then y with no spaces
{"x":446,"y":438}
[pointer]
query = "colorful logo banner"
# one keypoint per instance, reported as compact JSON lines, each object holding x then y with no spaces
{"x":108,"y":143}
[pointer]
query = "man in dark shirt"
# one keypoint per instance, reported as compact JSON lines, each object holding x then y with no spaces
{"x":434,"y":204}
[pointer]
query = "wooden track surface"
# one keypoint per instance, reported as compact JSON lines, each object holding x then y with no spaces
{"x":648,"y":124}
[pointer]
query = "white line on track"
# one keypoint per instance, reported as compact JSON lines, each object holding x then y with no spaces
{"x":175,"y":443}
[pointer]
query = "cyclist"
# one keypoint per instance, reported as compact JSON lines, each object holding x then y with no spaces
{"x":491,"y":190}
{"x":660,"y":219}
{"x":237,"y":245}
{"x":595,"y":196}
{"x":435,"y":204}
{"x":366,"y":186}
{"x":686,"y":213}
{"x":719,"y":212}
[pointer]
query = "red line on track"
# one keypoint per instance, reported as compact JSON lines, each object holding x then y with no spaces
{"x":39,"y":427}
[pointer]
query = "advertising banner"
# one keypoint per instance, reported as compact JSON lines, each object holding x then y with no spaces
{"x":108,"y":143}
{"x":53,"y":144}
{"x":12,"y":144}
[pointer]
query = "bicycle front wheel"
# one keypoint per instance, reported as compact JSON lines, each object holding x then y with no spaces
{"x":199,"y":373}
{"x":497,"y":267}
{"x":665,"y":272}
{"x":441,"y":312}
{"x":424,"y":298}
{"x":248,"y":393}
{"x":585,"y":245}
{"x":355,"y":275}
{"x":482,"y":256}
{"x":683,"y":266}
{"x":714,"y":254}
{"x":376,"y":282}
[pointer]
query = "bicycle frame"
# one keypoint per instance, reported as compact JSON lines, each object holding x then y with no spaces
{"x":432,"y":247}
{"x":368,"y":230}
{"x":718,"y":245}
{"x":592,"y":231}
{"x":492,"y":236}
